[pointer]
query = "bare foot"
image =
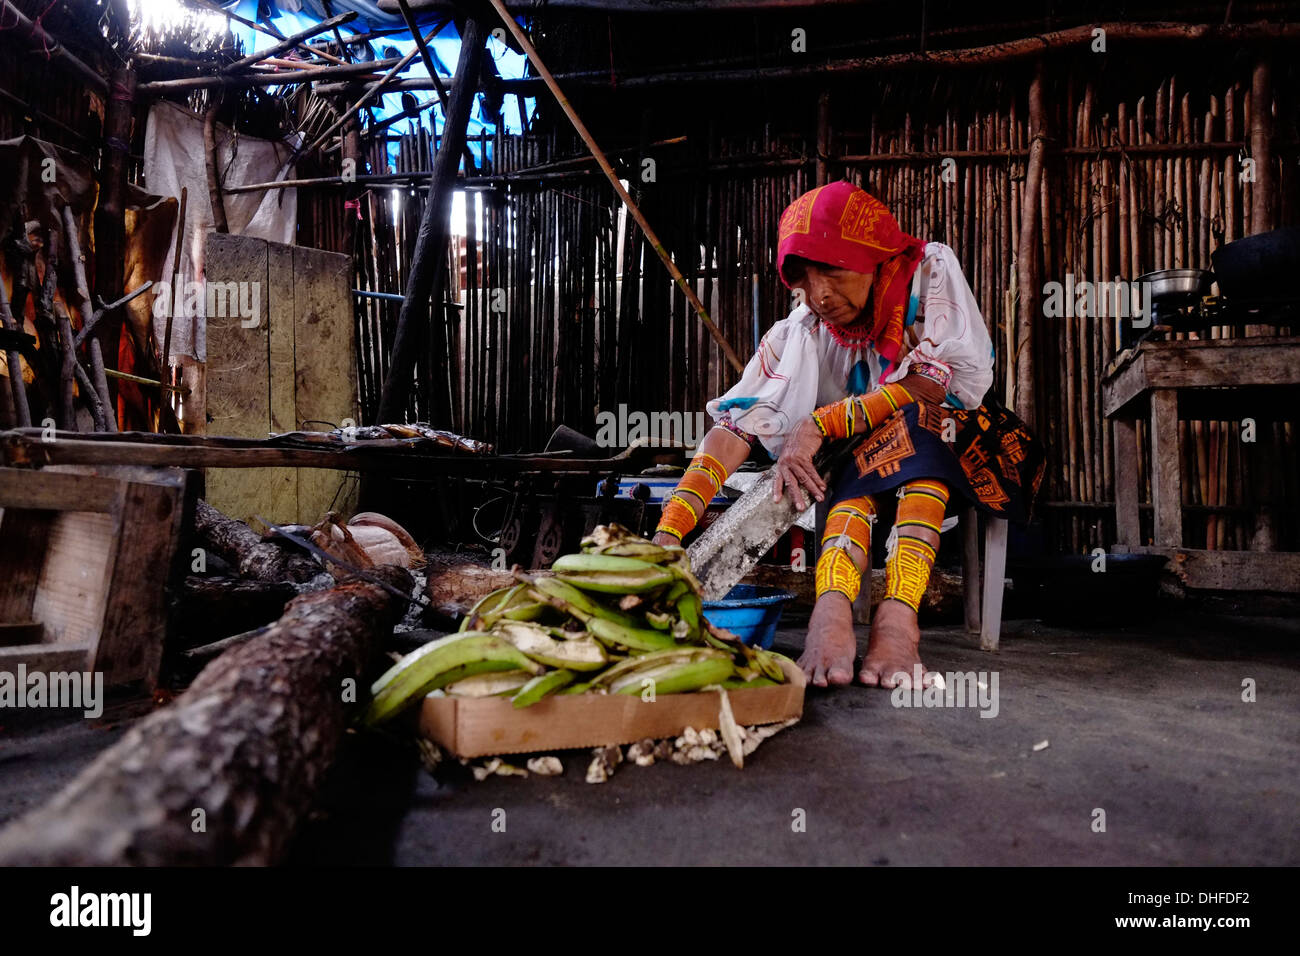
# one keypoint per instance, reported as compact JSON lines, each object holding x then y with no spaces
{"x":830,"y":648}
{"x":892,"y":651}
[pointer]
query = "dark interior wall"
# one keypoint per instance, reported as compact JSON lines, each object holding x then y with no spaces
{"x":571,"y":342}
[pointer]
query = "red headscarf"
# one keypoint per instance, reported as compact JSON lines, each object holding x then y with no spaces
{"x":841,"y":225}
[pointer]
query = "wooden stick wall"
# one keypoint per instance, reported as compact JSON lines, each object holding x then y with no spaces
{"x":566,"y":314}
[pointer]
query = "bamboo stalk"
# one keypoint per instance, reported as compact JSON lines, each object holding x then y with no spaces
{"x":651,"y":236}
{"x":296,"y":40}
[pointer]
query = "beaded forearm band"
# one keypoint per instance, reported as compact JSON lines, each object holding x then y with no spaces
{"x":860,"y":412}
{"x":703,"y":480}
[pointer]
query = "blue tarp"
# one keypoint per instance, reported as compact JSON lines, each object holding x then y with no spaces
{"x":292,"y":16}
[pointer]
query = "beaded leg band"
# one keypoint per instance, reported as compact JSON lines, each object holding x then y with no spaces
{"x":703,"y":480}
{"x":907,"y":567}
{"x":848,"y":523}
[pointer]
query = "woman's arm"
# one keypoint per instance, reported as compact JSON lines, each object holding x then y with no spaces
{"x":729,"y":450}
{"x":795,"y":470}
{"x":954,"y":346}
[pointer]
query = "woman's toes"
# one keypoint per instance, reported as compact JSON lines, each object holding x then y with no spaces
{"x":869,"y":676}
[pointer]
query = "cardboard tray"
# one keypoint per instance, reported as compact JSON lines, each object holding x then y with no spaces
{"x":491,"y":725}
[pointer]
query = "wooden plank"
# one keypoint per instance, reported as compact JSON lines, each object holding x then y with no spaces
{"x":995,"y":570}
{"x":79,"y":557}
{"x":326,"y":376}
{"x":238,"y":399}
{"x":1166,"y":469}
{"x":135,"y":616}
{"x":1127,"y":526}
{"x":47,"y":658}
{"x":281,"y":490}
{"x":1123,"y":386}
{"x":22,"y":536}
{"x":52,"y":491}
{"x":1234,"y":570}
{"x":1222,"y":363}
{"x":1203,"y":363}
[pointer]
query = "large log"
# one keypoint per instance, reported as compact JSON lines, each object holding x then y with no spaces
{"x":455,"y":582}
{"x":241,"y":547}
{"x":223,"y":775}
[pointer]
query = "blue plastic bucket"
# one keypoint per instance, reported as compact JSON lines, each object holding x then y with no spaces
{"x":750,"y":612}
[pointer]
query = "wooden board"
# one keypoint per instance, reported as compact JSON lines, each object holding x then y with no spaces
{"x":238,"y":380}
{"x":1234,"y":570}
{"x":1206,"y":363}
{"x":325,"y":368}
{"x":302,"y":375}
{"x":279,"y":496}
{"x":135,"y":614}
{"x":78,"y":565}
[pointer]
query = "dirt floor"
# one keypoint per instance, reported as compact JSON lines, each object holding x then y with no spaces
{"x":1146,"y":724}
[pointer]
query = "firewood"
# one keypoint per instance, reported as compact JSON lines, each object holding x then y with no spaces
{"x":241,"y":547}
{"x":242,"y":751}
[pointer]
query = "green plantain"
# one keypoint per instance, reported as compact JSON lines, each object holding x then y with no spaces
{"x":438,"y":664}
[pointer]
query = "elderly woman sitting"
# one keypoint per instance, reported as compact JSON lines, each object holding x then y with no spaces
{"x":888,"y":340}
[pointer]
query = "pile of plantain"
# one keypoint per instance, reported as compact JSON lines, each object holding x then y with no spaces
{"x":621,"y":617}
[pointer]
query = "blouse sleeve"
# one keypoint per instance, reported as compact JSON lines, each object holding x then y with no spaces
{"x":951,"y":330}
{"x":777,"y":388}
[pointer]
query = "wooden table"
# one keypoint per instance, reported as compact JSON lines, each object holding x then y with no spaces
{"x":1219,"y":379}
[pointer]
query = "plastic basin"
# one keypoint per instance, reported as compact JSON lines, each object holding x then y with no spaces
{"x":750,"y":612}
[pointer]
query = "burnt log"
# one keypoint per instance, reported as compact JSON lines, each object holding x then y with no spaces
{"x":244,"y":549}
{"x":224,"y":774}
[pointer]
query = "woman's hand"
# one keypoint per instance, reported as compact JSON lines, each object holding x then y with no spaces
{"x":795,"y":470}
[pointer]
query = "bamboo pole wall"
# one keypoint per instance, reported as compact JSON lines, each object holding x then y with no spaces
{"x":567,"y":314}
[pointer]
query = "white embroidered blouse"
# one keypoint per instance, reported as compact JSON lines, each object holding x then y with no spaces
{"x":800,"y":366}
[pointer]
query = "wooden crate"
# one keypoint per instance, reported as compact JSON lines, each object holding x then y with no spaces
{"x":86,"y":560}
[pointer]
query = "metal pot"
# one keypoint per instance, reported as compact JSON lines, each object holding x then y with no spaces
{"x":1177,"y":284}
{"x":1261,"y":266}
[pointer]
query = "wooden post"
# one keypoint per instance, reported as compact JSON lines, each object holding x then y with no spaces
{"x":431,"y":240}
{"x":110,"y":215}
{"x":1166,"y":469}
{"x":1027,"y":273}
{"x":1127,"y":527}
{"x":823,"y":137}
{"x":1262,"y":207}
{"x":212,"y":163}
